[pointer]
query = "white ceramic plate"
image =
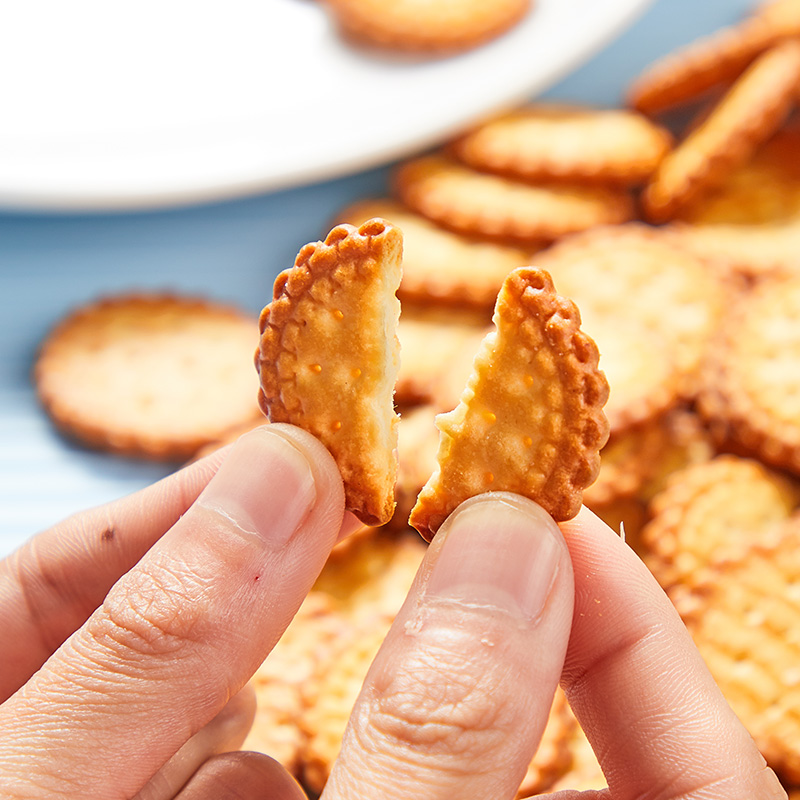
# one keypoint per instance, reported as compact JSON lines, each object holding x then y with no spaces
{"x":125,"y":105}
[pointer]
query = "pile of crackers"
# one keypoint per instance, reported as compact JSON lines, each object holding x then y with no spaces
{"x":674,"y":226}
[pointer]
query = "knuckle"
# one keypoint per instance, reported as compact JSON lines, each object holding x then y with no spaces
{"x":443,"y":697}
{"x":153,"y":613}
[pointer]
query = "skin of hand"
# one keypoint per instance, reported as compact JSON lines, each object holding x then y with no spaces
{"x":129,"y":634}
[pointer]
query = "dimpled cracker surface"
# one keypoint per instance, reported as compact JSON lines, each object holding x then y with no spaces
{"x":751,"y":386}
{"x":745,"y":620}
{"x":479,"y":204}
{"x":713,"y":511}
{"x":531,"y":418}
{"x":668,"y":291}
{"x":157,"y":376}
{"x":750,"y":112}
{"x":440,"y":266}
{"x":426,"y":26}
{"x":328,"y":356}
{"x":567,"y":143}
{"x":712,"y":60}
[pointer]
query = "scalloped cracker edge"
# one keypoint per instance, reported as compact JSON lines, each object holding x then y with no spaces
{"x":531,"y":419}
{"x":329,"y":354}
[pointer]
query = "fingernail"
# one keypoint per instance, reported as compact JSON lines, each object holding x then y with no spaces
{"x":501,"y":551}
{"x":265,"y":485}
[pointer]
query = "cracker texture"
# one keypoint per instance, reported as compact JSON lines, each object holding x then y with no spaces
{"x":530,"y":420}
{"x":328,"y":356}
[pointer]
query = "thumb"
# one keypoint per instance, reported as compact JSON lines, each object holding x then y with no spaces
{"x":183,"y":631}
{"x":458,"y":697}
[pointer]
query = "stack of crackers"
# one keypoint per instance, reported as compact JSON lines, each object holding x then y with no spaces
{"x":673,"y":225}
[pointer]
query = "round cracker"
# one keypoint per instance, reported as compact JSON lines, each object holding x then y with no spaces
{"x":751,"y":386}
{"x":749,"y":113}
{"x":711,"y":512}
{"x":478,"y":204}
{"x":443,"y":26}
{"x":545,"y":142}
{"x":743,"y":618}
{"x":149,"y":375}
{"x":632,"y":272}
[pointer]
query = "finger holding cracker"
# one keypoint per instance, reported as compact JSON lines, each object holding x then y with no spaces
{"x":329,"y":354}
{"x":531,"y":418}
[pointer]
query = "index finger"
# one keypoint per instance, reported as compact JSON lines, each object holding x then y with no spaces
{"x":657,"y":721}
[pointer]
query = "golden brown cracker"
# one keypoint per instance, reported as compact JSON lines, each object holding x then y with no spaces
{"x":570,"y":143}
{"x":328,"y":356}
{"x":440,"y":266}
{"x":750,"y":251}
{"x":686,"y":441}
{"x":750,"y":224}
{"x":337,"y":685}
{"x":480,"y":204}
{"x":279,"y":681}
{"x":717,"y":59}
{"x":749,"y":113}
{"x":751,"y":385}
{"x":763,"y":191}
{"x":370,"y":573}
{"x":745,"y":620}
{"x":430,"y":341}
{"x":531,"y":418}
{"x":713,"y":511}
{"x":665,"y":290}
{"x":150,"y":375}
{"x":435,"y":27}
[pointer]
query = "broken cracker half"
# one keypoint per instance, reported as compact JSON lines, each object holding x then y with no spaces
{"x":531,"y":418}
{"x":329,"y":355}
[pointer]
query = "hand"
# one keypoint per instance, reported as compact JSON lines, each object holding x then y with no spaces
{"x":503,"y":607}
{"x":128,"y":633}
{"x":454,"y":704}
